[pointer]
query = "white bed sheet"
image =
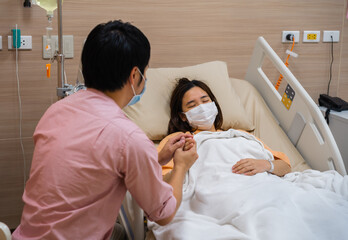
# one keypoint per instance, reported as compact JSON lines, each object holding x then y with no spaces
{"x":218,"y":204}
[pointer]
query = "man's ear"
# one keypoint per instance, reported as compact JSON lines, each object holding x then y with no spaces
{"x":132,"y":75}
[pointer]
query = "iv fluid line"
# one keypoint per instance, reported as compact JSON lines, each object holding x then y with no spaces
{"x":20,"y":115}
{"x":286,"y":64}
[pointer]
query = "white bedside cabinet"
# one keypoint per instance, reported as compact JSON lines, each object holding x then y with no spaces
{"x":338,"y":123}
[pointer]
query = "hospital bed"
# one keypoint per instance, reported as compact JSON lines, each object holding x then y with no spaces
{"x":289,"y":122}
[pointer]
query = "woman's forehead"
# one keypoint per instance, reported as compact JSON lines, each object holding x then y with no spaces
{"x":194,"y":93}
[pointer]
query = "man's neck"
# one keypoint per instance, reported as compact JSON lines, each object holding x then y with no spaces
{"x":121,"y":97}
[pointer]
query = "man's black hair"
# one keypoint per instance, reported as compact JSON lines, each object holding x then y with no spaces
{"x":110,"y":52}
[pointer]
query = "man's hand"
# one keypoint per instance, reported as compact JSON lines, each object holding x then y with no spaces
{"x":174,"y":143}
{"x":184,"y":159}
{"x":250,"y":166}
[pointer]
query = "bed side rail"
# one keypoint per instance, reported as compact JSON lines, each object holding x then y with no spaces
{"x":131,"y":217}
{"x":302,"y":121}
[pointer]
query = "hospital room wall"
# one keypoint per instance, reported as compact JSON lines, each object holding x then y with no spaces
{"x":343,"y":69}
{"x":181,"y":32}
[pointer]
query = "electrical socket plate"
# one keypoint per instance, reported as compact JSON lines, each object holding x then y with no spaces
{"x":311,"y":36}
{"x":335,"y":36}
{"x":0,"y":42}
{"x":26,"y":43}
{"x":68,"y":46}
{"x":295,"y":33}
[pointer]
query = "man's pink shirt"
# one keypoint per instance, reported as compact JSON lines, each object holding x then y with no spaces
{"x":87,"y":155}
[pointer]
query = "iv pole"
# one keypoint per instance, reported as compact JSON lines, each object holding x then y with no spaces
{"x":60,"y":55}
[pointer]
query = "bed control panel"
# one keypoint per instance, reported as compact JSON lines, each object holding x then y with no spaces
{"x":288,"y":96}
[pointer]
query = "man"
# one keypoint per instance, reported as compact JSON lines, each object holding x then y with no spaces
{"x":88,"y":153}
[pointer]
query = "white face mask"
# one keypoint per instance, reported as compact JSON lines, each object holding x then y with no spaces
{"x":202,"y":116}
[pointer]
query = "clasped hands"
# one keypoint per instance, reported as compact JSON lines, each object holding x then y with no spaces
{"x":181,"y":148}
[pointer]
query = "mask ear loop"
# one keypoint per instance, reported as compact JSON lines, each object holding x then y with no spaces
{"x":133,"y":90}
{"x":142,"y":75}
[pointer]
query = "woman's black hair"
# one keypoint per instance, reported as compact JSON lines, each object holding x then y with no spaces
{"x":110,"y":53}
{"x":176,"y":124}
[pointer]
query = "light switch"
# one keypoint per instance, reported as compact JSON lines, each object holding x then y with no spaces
{"x":68,"y":41}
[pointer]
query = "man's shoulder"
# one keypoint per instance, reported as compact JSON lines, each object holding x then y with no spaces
{"x":126,"y":129}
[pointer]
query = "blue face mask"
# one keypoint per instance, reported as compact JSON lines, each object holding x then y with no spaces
{"x":136,"y":98}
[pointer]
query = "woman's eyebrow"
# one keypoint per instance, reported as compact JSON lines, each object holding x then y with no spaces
{"x":188,"y":103}
{"x":205,"y":96}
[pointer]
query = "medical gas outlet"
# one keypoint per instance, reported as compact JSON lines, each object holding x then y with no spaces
{"x":286,"y":36}
{"x":311,"y":36}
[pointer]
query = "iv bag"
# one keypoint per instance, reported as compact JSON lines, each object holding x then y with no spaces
{"x":48,"y":5}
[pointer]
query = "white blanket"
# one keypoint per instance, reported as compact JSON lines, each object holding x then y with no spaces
{"x":218,"y":204}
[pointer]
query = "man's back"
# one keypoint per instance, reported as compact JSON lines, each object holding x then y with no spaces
{"x":77,"y":179}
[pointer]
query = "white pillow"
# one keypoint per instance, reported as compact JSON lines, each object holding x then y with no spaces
{"x":152,"y":112}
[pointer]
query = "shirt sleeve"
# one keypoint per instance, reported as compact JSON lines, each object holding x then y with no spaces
{"x":143,"y":178}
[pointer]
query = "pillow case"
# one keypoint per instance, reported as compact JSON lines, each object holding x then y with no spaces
{"x":152,"y":112}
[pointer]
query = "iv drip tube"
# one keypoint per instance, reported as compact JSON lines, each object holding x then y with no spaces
{"x":63,"y":89}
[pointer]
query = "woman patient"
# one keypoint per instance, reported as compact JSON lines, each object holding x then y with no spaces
{"x":228,"y":192}
{"x":194,"y":108}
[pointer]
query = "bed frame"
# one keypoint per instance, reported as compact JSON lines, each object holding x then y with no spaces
{"x":301,"y":120}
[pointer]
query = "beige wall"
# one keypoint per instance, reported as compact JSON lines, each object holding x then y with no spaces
{"x":182,"y":32}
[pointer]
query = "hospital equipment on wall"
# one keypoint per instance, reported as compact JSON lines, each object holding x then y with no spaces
{"x":49,"y":6}
{"x":63,"y":88}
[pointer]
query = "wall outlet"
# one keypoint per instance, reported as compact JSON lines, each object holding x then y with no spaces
{"x":68,"y":46}
{"x":26,"y":43}
{"x":311,"y":36}
{"x":335,"y":36}
{"x":286,"y":33}
{"x":0,"y":42}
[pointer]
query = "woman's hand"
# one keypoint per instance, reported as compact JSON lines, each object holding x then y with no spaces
{"x":189,"y":143}
{"x":250,"y":166}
